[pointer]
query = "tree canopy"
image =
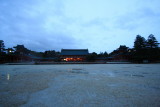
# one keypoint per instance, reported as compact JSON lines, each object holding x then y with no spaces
{"x":2,"y":46}
{"x":146,"y":49}
{"x":152,"y":41}
{"x":139,"y":43}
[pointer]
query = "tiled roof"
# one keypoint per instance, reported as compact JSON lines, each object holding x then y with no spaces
{"x":74,"y":52}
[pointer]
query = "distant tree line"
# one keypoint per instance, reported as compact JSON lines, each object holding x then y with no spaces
{"x":20,"y":52}
{"x":144,"y":50}
{"x":93,"y":56}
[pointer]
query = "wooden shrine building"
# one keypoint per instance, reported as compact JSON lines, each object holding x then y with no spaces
{"x":77,"y":55}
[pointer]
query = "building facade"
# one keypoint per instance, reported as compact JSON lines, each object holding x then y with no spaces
{"x":74,"y":55}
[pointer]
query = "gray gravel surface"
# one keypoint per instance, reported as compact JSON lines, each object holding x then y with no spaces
{"x":84,"y":85}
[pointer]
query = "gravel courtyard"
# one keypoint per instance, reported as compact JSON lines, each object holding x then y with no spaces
{"x":83,"y":85}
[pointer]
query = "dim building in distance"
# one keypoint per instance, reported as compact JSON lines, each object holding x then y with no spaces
{"x":77,"y":55}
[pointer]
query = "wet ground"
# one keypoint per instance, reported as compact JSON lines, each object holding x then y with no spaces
{"x":84,"y":85}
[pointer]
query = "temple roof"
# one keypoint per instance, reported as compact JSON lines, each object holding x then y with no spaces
{"x":74,"y":52}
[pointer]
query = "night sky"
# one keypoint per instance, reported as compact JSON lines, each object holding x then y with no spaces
{"x":99,"y":25}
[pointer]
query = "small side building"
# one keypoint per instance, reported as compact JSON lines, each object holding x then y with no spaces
{"x":122,"y":54}
{"x":74,"y":55}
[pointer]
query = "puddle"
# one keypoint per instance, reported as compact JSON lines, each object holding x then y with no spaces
{"x":125,"y":71}
{"x":110,"y":74}
{"x":112,"y":85}
{"x":145,"y":73}
{"x":130,"y":75}
{"x":16,"y":69}
{"x":127,"y":75}
{"x":156,"y":88}
{"x":138,"y":75}
{"x":126,"y":67}
{"x":78,"y":71}
{"x":138,"y":66}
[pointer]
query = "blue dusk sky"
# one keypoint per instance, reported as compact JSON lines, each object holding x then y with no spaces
{"x":99,"y":25}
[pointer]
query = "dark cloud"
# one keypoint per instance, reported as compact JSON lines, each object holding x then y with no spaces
{"x":26,"y":22}
{"x":54,"y":24}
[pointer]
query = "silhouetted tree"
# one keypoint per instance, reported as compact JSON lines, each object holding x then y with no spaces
{"x":48,"y":54}
{"x":91,"y":57}
{"x":123,"y":53}
{"x":36,"y":54}
{"x":139,"y":49}
{"x":101,"y":54}
{"x":2,"y":53}
{"x":21,"y":50}
{"x":146,"y":49}
{"x":2,"y":46}
{"x":139,"y":43}
{"x":152,"y":41}
{"x":152,"y":48}
{"x":105,"y":54}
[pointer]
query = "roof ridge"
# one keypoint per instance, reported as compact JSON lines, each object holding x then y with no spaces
{"x":74,"y":49}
